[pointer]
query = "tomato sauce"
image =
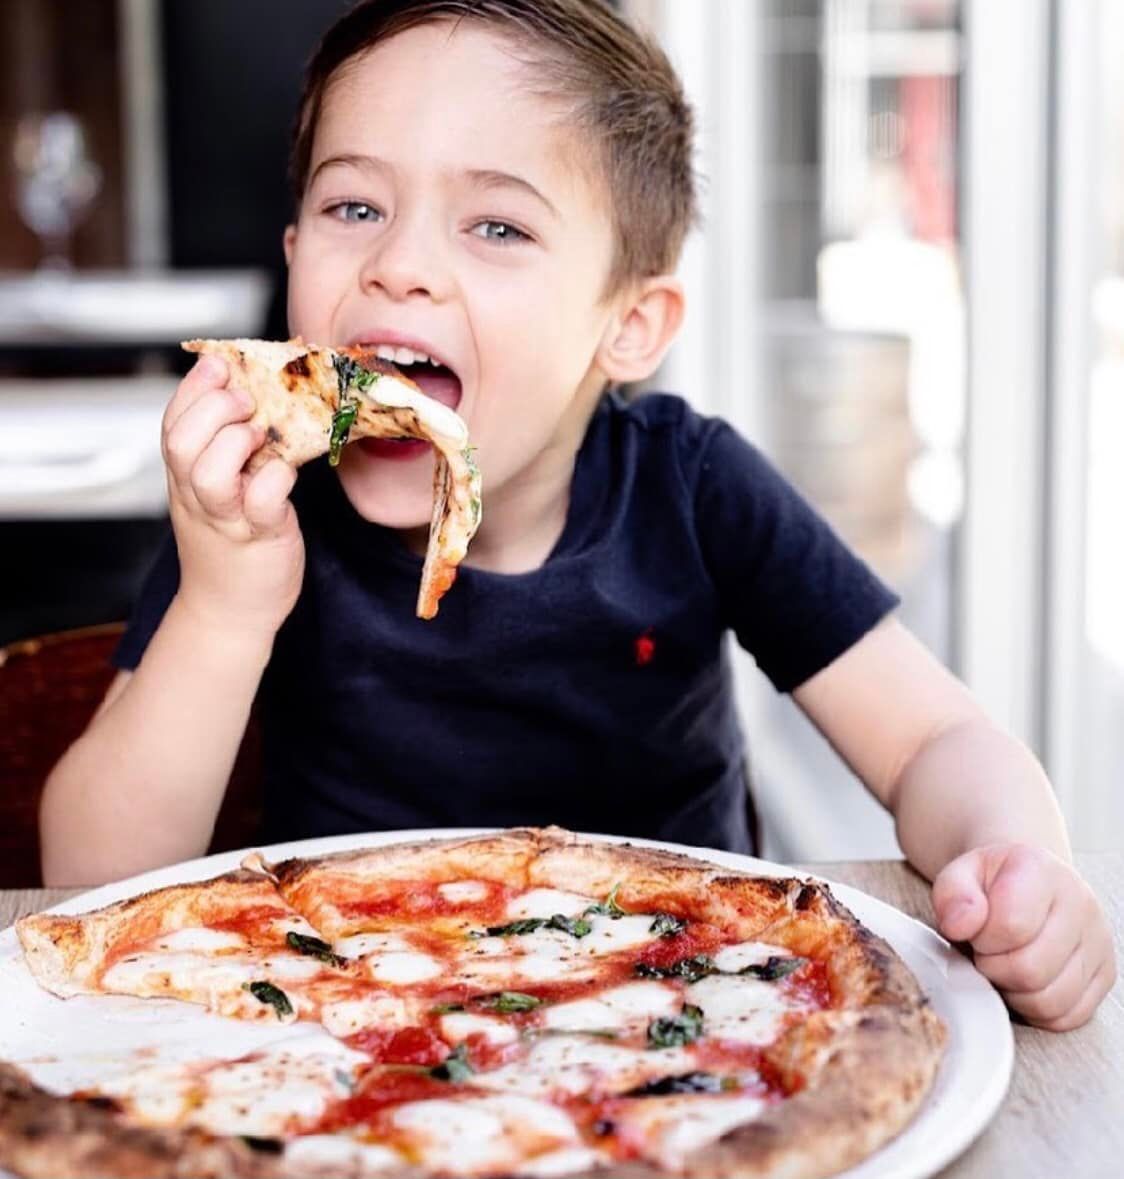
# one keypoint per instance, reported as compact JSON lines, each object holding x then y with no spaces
{"x":697,"y":938}
{"x":379,"y":1090}
{"x":412,"y":1045}
{"x":811,"y":985}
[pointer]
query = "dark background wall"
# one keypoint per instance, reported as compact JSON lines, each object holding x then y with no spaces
{"x":232,"y":75}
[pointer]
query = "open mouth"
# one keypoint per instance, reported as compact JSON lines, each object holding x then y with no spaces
{"x":434,"y":378}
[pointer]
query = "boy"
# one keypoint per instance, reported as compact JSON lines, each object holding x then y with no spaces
{"x":502,"y":187}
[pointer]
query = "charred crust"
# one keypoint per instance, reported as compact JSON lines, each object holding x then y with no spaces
{"x":806,"y":898}
{"x":298,"y":367}
{"x":272,"y":434}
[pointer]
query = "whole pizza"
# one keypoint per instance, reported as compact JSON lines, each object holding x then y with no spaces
{"x":523,"y":1003}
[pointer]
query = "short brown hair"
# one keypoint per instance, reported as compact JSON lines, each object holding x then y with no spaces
{"x":623,"y":89}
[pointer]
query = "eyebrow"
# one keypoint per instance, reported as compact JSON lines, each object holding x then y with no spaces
{"x":481,"y":177}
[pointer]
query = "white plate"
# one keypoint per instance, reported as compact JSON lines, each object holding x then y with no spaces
{"x":40,"y":1031}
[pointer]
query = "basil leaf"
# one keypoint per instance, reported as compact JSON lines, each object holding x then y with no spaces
{"x":666,"y":925}
{"x":675,"y":1031}
{"x":454,"y":1067}
{"x":608,"y":907}
{"x":263,"y":1145}
{"x":342,"y":421}
{"x":688,"y":969}
{"x":314,"y":947}
{"x":516,"y":928}
{"x":508,"y":1002}
{"x":266,"y":992}
{"x":574,"y":926}
{"x":773,"y":968}
{"x":684,"y":1083}
{"x":350,"y":372}
{"x":446,"y":1008}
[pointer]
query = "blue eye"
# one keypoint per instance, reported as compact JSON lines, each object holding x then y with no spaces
{"x":354,"y":212}
{"x":499,"y":232}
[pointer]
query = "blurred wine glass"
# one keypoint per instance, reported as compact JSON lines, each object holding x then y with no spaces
{"x":56,"y":180}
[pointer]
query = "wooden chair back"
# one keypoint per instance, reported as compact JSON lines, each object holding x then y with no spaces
{"x":50,"y":686}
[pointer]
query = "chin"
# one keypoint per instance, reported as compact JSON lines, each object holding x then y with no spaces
{"x":392,"y":493}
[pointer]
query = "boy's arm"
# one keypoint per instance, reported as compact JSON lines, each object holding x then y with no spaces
{"x":142,"y":786}
{"x":975,"y":813}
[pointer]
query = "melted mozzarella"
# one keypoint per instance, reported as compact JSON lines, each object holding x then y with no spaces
{"x":570,"y":1160}
{"x":459,"y":1025}
{"x":407,"y":966}
{"x":461,"y":892}
{"x":625,"y":933}
{"x":335,"y":1154}
{"x":360,"y":945}
{"x":671,"y":1128}
{"x":576,"y":1064}
{"x":198,"y":938}
{"x":266,"y":1094}
{"x":620,"y":1007}
{"x":479,"y":1134}
{"x":545,"y":902}
{"x":735,"y":958}
{"x":738,"y":1008}
{"x":548,"y":954}
{"x":375,"y":1009}
{"x":388,"y":957}
{"x":438,"y":418}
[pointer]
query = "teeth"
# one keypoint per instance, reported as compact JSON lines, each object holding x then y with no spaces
{"x":404,"y":356}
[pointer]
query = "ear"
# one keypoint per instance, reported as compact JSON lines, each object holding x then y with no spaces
{"x":288,"y":241}
{"x":643,"y":326}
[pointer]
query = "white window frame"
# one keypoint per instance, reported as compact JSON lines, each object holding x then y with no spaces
{"x":1030,"y":141}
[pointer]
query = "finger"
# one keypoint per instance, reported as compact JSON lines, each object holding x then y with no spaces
{"x":197,"y":426}
{"x":959,"y":900}
{"x":1032,"y":967}
{"x":265,"y":500}
{"x":1059,"y":996}
{"x":1099,"y":985}
{"x":207,"y":373}
{"x":217,"y":476}
{"x":1019,"y":899}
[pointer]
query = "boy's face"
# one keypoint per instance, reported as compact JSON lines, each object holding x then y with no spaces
{"x":449,"y":207}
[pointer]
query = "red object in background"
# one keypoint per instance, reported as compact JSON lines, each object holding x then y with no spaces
{"x":928,"y":106}
{"x":645,"y":649}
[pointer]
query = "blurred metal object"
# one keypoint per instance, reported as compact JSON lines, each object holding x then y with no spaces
{"x":56,"y":180}
{"x":131,"y":307}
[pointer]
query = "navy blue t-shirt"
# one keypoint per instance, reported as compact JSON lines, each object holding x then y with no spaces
{"x":592,"y":692}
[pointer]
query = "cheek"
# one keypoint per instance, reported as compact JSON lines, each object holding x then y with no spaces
{"x":317,"y":283}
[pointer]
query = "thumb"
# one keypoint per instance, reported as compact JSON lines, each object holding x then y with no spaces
{"x":959,"y":900}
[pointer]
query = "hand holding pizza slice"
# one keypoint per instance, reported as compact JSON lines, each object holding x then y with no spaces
{"x":310,"y":401}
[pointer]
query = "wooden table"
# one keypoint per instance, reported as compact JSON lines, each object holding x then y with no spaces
{"x":1064,"y":1115}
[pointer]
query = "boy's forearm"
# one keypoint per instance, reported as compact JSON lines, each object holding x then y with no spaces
{"x":970,"y":786}
{"x":143,"y":785}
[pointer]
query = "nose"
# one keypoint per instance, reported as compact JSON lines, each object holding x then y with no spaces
{"x":406,"y":260}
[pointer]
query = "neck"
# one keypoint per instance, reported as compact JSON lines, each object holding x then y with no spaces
{"x":523,"y":521}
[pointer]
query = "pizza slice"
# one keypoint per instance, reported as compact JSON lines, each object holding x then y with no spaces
{"x":311,"y":400}
{"x":230,"y":944}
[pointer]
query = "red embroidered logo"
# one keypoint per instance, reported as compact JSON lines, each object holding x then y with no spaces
{"x":644,"y":649}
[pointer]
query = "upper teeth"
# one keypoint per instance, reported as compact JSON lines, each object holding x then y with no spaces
{"x":403,"y":355}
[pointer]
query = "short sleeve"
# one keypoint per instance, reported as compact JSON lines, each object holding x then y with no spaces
{"x":156,"y":594}
{"x":792,"y":591}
